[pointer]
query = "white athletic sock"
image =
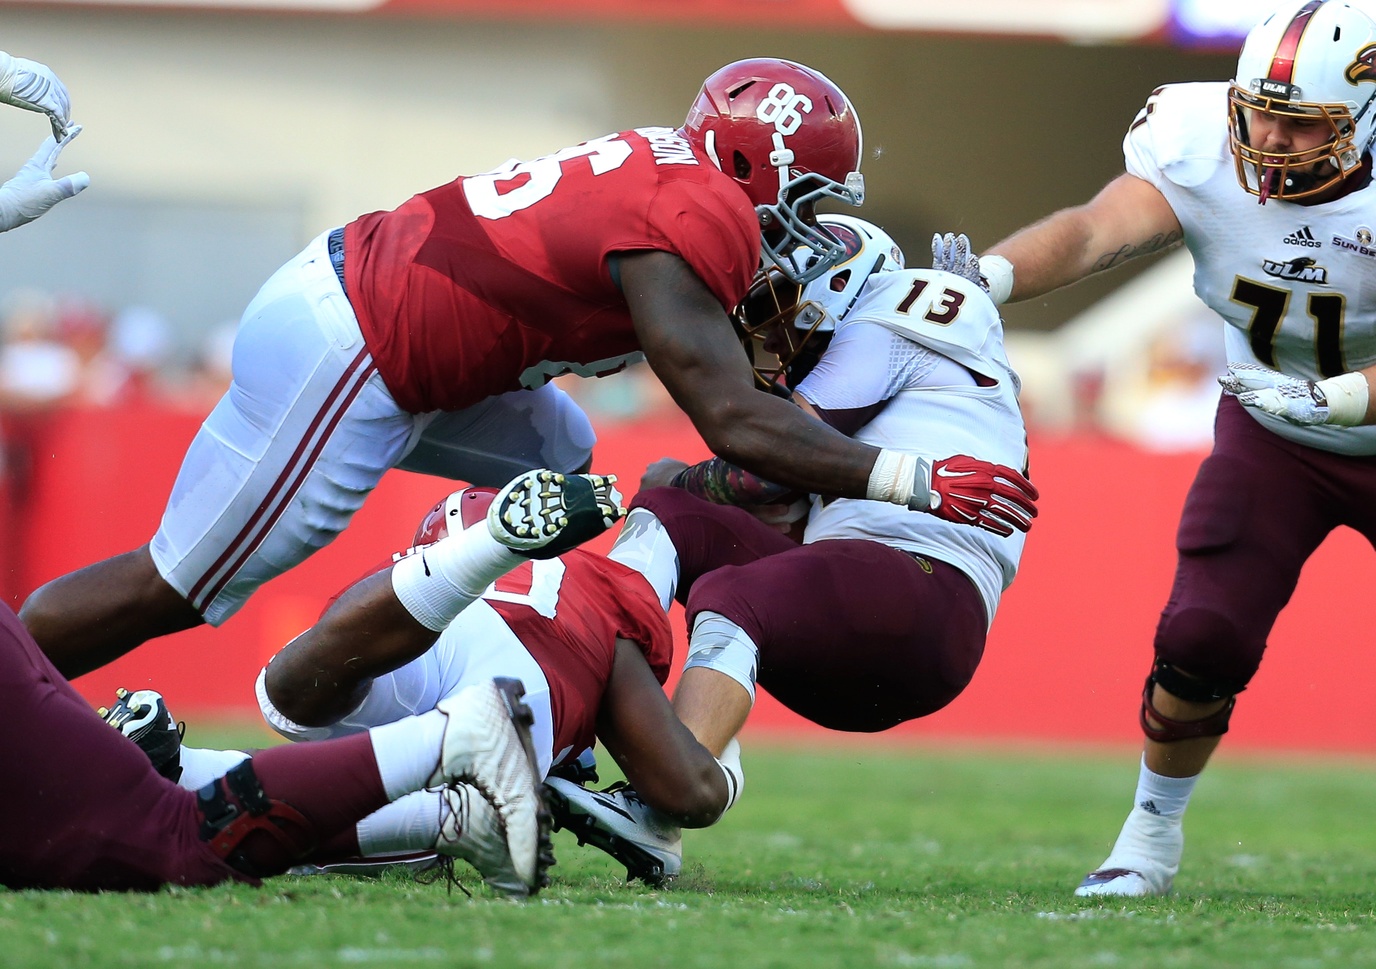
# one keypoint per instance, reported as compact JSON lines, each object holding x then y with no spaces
{"x":408,"y":751}
{"x":730,"y":764}
{"x":438,"y":582}
{"x":644,"y":545}
{"x":201,"y":765}
{"x":1165,"y":797}
{"x":411,"y":823}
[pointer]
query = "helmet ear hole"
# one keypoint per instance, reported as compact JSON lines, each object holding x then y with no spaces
{"x":840,"y":280}
{"x":742,"y":166}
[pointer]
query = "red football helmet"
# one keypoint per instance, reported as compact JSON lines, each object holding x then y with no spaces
{"x":467,"y":506}
{"x":790,"y":138}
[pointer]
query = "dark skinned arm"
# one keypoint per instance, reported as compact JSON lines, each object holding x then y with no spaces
{"x":690,"y":345}
{"x":322,"y":676}
{"x":660,"y":757}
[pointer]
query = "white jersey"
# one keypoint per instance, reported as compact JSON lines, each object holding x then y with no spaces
{"x":1295,"y":283}
{"x":936,"y":408}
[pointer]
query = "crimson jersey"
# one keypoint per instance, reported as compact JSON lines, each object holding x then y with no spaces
{"x":500,"y":281}
{"x":568,"y":613}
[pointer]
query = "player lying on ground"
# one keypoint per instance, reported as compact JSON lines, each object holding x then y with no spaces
{"x":585,"y":635}
{"x":880,"y":615}
{"x":472,"y":753}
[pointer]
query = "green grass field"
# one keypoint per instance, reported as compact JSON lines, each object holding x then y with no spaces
{"x":853,"y":856}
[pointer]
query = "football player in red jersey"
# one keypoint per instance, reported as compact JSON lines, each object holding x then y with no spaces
{"x":254,"y":816}
{"x":424,"y":338}
{"x":586,"y":636}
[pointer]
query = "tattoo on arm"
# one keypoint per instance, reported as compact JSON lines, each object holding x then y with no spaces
{"x":1156,"y":243}
{"x":723,"y":483}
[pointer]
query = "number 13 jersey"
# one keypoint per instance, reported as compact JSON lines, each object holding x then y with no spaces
{"x":500,"y":281}
{"x":1296,"y":284}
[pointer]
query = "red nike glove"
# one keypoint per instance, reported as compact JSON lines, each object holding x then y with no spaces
{"x":969,"y":491}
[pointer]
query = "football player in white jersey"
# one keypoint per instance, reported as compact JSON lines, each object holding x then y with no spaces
{"x":1267,"y":181}
{"x":875,"y":618}
{"x":33,"y":190}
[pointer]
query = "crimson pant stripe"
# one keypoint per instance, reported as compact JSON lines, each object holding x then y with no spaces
{"x":288,"y":483}
{"x":1283,"y":64}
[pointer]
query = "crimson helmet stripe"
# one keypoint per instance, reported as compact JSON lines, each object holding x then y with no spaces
{"x":1283,"y":64}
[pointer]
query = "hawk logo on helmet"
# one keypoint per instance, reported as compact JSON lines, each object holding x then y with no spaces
{"x":1363,"y":68}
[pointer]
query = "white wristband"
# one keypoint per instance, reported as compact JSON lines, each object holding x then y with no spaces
{"x":998,"y":274}
{"x":904,"y":479}
{"x":1347,"y":396}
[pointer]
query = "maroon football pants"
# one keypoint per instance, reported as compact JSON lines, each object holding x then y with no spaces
{"x":853,"y":635}
{"x":1259,"y":507}
{"x":84,"y":809}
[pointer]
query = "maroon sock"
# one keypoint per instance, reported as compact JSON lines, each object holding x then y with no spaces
{"x":333,"y":783}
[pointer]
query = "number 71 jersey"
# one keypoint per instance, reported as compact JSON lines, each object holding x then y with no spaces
{"x":500,"y":281}
{"x":1296,"y":284}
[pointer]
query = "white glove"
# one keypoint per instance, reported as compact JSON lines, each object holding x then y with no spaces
{"x":30,"y":85}
{"x":33,"y":190}
{"x":951,"y":254}
{"x":1293,"y":399}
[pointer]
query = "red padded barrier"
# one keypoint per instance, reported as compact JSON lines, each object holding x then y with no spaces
{"x":1065,"y":661}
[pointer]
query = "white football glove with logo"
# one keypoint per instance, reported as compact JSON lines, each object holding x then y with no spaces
{"x":33,"y":190}
{"x":1293,"y":399}
{"x":951,"y":254}
{"x":1341,"y":400}
{"x":32,"y":86}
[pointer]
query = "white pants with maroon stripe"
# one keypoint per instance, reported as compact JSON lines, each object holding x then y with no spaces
{"x":307,"y":429}
{"x":477,"y":646}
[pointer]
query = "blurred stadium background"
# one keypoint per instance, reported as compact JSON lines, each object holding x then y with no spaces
{"x":221,"y":136}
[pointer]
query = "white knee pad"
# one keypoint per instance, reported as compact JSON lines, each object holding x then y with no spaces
{"x":719,"y":644}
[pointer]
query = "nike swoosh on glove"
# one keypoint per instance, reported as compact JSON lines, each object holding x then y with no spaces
{"x":994,"y":497}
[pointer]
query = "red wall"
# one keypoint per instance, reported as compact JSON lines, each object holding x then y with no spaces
{"x":1065,"y":661}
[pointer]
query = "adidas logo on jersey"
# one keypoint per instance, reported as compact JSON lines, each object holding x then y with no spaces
{"x":1302,"y":236}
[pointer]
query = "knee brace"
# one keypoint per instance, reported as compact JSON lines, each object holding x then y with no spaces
{"x":1191,"y":690}
{"x":253,"y":833}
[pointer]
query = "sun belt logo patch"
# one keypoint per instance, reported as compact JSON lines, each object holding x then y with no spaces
{"x":1363,"y":68}
{"x":1301,"y":269}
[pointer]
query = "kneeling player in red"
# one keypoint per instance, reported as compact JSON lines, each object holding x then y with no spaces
{"x":585,"y":635}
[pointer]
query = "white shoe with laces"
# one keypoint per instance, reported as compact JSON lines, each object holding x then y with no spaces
{"x":487,"y":745}
{"x":473,"y":831}
{"x":1144,"y":859}
{"x":621,"y":824}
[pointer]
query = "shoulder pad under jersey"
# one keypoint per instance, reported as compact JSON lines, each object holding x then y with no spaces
{"x":1180,"y":135}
